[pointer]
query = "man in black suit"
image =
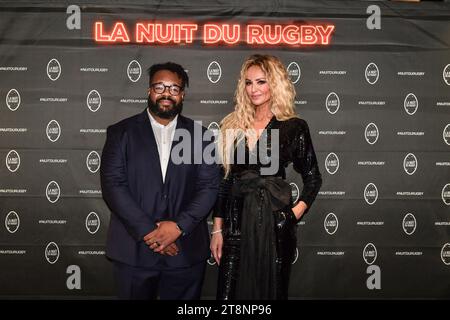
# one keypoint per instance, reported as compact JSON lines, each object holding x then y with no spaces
{"x":158,"y":236}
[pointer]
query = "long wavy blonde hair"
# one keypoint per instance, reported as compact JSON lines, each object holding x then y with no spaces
{"x":239,"y":124}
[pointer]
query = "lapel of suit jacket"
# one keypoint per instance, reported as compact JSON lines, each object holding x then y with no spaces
{"x":146,"y":131}
{"x":171,"y":167}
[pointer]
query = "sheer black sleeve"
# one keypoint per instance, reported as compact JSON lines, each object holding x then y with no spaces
{"x":305,"y":162}
{"x":221,"y":204}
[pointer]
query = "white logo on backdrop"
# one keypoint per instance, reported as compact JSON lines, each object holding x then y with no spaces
{"x":446,"y":74}
{"x":332,"y":163}
{"x":370,"y":253}
{"x":371,"y":133}
{"x":134,"y":71}
{"x":295,"y":192}
{"x":13,"y":99}
{"x":332,"y":103}
{"x":214,"y":72}
{"x":446,"y":134}
{"x":409,"y":224}
{"x":53,"y":69}
{"x":411,"y":104}
{"x":371,"y":193}
{"x":92,"y":222}
{"x":52,"y":191}
{"x":446,"y":194}
{"x":331,"y":223}
{"x":94,"y":100}
{"x":294,"y":72}
{"x":12,"y":222}
{"x":410,"y":164}
{"x":445,"y":254}
{"x":93,"y":161}
{"x":12,"y":161}
{"x":52,"y":252}
{"x":53,"y":130}
{"x":372,"y":73}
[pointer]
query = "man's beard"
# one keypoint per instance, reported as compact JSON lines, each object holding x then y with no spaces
{"x":165,"y":113}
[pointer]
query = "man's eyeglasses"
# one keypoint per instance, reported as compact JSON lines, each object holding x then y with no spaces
{"x":174,"y":89}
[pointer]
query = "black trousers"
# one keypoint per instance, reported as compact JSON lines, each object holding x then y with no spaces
{"x":143,"y":283}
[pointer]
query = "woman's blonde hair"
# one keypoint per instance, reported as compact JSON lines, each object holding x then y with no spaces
{"x":238,"y":124}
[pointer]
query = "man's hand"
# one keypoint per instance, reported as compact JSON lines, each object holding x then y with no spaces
{"x":170,"y":250}
{"x":166,"y":234}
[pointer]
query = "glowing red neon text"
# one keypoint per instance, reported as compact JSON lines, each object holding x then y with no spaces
{"x":119,"y":33}
{"x":289,"y":34}
{"x":169,"y":33}
{"x":255,"y":34}
{"x":213,"y":33}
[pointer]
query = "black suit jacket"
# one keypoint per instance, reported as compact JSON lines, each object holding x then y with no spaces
{"x":133,"y":188}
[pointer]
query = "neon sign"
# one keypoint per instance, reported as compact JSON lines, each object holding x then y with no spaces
{"x":212,"y":33}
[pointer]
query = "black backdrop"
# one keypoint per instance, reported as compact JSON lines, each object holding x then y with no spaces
{"x":377,"y":102}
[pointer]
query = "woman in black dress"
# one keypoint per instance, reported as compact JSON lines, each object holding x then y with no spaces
{"x":253,"y":239}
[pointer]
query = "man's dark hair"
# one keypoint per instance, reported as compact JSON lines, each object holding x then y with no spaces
{"x":170,"y":66}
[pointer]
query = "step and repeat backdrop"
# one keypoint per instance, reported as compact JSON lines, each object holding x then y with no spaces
{"x":372,"y":80}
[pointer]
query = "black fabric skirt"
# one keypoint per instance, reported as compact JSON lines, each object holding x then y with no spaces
{"x":233,"y":281}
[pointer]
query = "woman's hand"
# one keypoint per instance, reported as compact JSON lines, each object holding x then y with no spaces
{"x":299,"y":210}
{"x":216,"y":246}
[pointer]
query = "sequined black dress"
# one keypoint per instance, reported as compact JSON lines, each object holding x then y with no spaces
{"x":259,"y":226}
